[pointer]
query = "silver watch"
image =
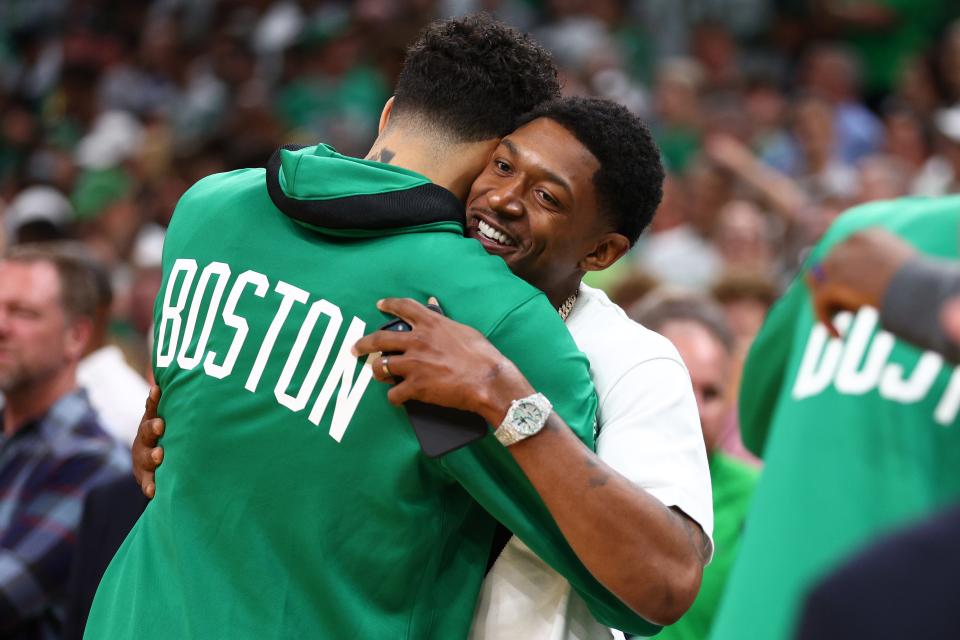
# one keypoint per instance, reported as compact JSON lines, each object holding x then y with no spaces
{"x":524,"y":418}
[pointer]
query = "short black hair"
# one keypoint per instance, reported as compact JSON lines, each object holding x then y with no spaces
{"x":629,"y":182}
{"x":473,"y":77}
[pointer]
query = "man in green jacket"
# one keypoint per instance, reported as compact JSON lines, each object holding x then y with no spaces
{"x":296,"y":502}
{"x":858,"y":433}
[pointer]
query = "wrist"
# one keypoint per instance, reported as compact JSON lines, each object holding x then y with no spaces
{"x":502,"y":385}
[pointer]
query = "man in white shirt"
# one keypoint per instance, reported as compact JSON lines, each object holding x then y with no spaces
{"x":648,"y":432}
{"x":557,"y":200}
{"x":568,"y":192}
{"x":114,"y":388}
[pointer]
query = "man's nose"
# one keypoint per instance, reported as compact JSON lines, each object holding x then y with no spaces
{"x":506,"y":199}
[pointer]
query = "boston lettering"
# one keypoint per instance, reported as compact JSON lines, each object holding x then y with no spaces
{"x":189,"y":309}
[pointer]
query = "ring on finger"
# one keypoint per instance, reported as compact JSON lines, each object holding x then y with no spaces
{"x":385,"y":366}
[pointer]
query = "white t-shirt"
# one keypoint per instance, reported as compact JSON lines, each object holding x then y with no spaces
{"x":649,"y":432}
{"x":116,"y":391}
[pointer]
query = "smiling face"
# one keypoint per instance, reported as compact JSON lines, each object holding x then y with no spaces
{"x":535,"y":205}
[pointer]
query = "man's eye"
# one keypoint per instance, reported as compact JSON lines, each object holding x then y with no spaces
{"x":549,"y":199}
{"x":28,"y":314}
{"x":501,"y":166}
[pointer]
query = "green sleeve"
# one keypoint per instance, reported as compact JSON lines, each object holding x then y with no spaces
{"x":766,"y":367}
{"x":535,"y":339}
{"x":768,"y":360}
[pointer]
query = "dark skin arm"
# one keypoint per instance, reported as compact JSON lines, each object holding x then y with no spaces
{"x":648,"y":555}
{"x":145,"y":454}
{"x":857,"y":272}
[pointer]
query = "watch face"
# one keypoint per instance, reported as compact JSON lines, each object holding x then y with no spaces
{"x":528,"y":418}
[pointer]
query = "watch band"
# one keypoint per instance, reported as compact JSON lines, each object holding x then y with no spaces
{"x":525,"y":417}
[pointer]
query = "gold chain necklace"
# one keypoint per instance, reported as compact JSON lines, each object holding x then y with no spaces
{"x":567,"y":306}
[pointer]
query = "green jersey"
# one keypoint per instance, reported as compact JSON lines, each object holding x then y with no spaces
{"x":294,"y":501}
{"x":858,"y":434}
{"x":733,"y":482}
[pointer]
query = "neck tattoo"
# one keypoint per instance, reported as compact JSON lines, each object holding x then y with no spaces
{"x":383,"y":155}
{"x":567,"y":306}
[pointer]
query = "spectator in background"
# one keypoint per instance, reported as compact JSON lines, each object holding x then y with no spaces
{"x":677,"y":108}
{"x":53,"y":449}
{"x":698,"y":330}
{"x":949,"y":63}
{"x":745,"y":297}
{"x":908,"y":140}
{"x":744,"y":239}
{"x":37,"y":214}
{"x":881,"y":177}
{"x":673,"y":250}
{"x":884,"y":33}
{"x":941,"y":174}
{"x":114,"y":388}
{"x":830,"y":71}
{"x":816,"y":163}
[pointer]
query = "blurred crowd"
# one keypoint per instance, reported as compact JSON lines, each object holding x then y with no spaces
{"x":773,"y":116}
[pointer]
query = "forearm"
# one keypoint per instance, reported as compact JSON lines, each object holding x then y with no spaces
{"x":780,"y":191}
{"x":642,"y":551}
{"x":911,"y":305}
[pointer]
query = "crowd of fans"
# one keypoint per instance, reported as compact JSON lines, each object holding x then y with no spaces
{"x":773,"y":116}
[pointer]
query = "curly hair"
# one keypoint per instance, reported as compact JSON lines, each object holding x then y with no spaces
{"x":473,"y":77}
{"x":629,"y":182}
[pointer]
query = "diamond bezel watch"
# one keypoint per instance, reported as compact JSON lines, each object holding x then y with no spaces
{"x":524,"y":418}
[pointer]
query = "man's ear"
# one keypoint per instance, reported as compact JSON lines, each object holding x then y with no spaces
{"x":385,"y":115}
{"x":608,"y":250}
{"x":79,"y":334}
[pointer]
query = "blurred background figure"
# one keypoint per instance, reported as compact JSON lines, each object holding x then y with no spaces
{"x":793,"y":111}
{"x":856,"y":426}
{"x":698,"y":328}
{"x":115,"y":389}
{"x":773,"y":118}
{"x":53,"y":449}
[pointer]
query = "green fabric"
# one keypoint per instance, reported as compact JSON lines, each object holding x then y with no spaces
{"x":98,"y":189}
{"x":733,"y":484}
{"x":885,"y":51}
{"x":678,"y":146}
{"x":300,"y":167}
{"x":858,"y":436}
{"x":267,"y":526}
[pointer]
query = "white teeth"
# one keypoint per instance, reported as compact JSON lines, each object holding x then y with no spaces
{"x":489,"y":232}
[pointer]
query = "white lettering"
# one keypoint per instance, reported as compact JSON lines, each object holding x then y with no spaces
{"x":946,"y":411}
{"x":290,"y":295}
{"x":234,"y":321}
{"x":222,"y":272}
{"x":893,"y":385}
{"x":298,"y":402}
{"x":851,"y":378}
{"x":812,"y":379}
{"x":169,"y":331}
{"x":350,"y":391}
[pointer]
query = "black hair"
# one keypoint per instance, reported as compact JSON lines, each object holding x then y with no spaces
{"x":629,"y":182}
{"x":473,"y":77}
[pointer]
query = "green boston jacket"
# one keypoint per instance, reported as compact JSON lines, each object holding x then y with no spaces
{"x":858,"y":434}
{"x":294,"y":501}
